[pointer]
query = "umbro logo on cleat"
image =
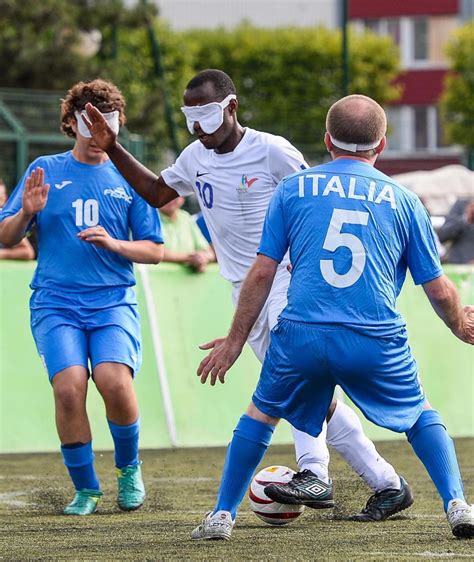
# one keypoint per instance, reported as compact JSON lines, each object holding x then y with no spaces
{"x":315,"y":489}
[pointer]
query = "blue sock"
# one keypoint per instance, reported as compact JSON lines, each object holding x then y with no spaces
{"x":435,"y":449}
{"x":245,"y":451}
{"x":79,"y":460}
{"x":126,"y":443}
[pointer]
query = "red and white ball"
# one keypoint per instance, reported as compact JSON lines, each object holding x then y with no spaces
{"x":272,"y":512}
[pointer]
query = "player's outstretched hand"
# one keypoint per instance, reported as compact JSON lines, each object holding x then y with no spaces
{"x":98,"y":236}
{"x":102,"y":134}
{"x":466,"y":333}
{"x":35,"y":194}
{"x":223,"y":355}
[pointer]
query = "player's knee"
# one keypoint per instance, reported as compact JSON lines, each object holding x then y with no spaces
{"x":256,"y":414}
{"x":115,"y":391}
{"x":69,"y":398}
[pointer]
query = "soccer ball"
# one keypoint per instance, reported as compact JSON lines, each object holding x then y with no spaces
{"x":272,"y":512}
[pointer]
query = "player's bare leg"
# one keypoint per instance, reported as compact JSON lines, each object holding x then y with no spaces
{"x":115,"y":384}
{"x":70,"y":392}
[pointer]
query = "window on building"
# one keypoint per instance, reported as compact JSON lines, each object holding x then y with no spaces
{"x":411,"y":35}
{"x":440,"y":137}
{"x":393,"y":30}
{"x":420,"y":124}
{"x":420,"y":40}
{"x":372,"y":25}
{"x":394,"y":134}
{"x":416,"y":128}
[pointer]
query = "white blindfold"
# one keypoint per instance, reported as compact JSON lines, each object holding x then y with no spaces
{"x":210,"y":116}
{"x":112,"y":119}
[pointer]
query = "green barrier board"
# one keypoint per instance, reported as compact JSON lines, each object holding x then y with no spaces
{"x":446,"y":365}
{"x":183,"y":311}
{"x":26,"y":401}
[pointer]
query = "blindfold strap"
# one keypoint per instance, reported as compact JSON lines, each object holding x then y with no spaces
{"x":352,"y":147}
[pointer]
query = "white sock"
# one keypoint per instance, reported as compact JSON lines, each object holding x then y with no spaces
{"x":346,"y":435}
{"x":312,"y":453}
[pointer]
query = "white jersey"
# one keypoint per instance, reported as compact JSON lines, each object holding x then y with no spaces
{"x":234,"y":191}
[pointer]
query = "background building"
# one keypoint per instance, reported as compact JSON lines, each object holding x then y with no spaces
{"x":421,"y":29}
{"x":208,"y":14}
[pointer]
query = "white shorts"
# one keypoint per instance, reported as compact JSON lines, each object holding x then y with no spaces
{"x":259,"y":338}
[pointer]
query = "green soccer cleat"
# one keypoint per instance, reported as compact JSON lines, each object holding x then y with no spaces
{"x":84,"y":502}
{"x":131,"y":490}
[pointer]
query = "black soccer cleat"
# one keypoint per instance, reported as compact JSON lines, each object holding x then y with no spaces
{"x":305,"y":488}
{"x":386,"y":503}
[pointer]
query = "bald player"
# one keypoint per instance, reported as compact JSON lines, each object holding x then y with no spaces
{"x":352,"y":233}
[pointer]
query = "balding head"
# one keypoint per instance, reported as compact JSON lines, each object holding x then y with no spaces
{"x":356,"y":120}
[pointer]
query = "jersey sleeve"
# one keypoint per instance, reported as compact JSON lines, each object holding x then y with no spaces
{"x":145,"y":221}
{"x":177,"y":175}
{"x":274,"y":242}
{"x":284,"y":159}
{"x":422,"y":254}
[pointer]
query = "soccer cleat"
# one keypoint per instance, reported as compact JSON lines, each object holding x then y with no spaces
{"x":305,"y":488}
{"x":461,"y":518}
{"x":131,"y":490}
{"x":214,"y":526}
{"x":84,"y":502}
{"x":383,"y":504}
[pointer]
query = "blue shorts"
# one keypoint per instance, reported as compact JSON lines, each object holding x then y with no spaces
{"x":305,"y":362}
{"x":67,"y":337}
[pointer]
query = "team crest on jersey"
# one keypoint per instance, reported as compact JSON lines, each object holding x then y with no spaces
{"x":119,"y":193}
{"x":246,"y":183}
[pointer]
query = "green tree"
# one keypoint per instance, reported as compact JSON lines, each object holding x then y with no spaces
{"x":45,"y":45}
{"x":288,"y":78}
{"x":132,"y":70}
{"x":39,"y":44}
{"x":458,"y":97}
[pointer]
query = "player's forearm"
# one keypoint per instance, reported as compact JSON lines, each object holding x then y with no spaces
{"x":139,"y":251}
{"x":144,"y":181}
{"x":172,"y":256}
{"x":24,"y":251}
{"x":253,"y":296}
{"x":444,"y":299}
{"x":13,"y":229}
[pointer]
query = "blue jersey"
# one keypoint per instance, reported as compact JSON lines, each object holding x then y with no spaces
{"x":70,"y":270}
{"x":352,"y":233}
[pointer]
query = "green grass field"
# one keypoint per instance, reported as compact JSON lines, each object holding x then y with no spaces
{"x":181,"y":486}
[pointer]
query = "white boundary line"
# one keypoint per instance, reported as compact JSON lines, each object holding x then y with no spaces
{"x":158,"y":353}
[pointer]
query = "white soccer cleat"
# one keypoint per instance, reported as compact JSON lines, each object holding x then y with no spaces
{"x":214,"y":526}
{"x":461,"y":518}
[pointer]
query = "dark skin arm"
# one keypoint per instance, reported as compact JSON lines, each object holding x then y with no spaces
{"x":147,"y":184}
